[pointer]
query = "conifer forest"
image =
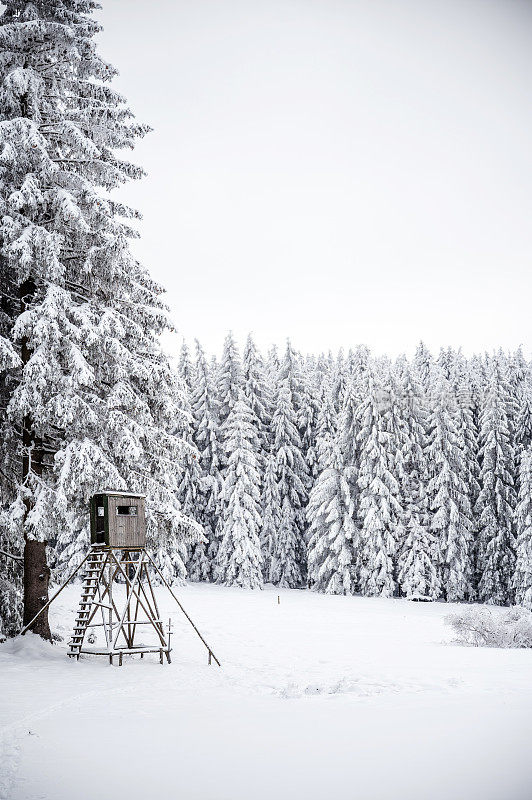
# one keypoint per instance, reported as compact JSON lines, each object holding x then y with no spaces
{"x":345,"y":473}
{"x":293,"y":564}
{"x":355,"y":474}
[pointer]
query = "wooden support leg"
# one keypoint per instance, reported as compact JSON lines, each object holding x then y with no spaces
{"x":120,"y":660}
{"x":111,"y":660}
{"x":168,"y":657}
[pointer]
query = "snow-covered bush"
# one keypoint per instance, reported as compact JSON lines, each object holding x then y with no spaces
{"x":482,"y":627}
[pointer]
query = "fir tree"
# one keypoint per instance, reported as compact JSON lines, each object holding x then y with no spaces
{"x":229,"y":380}
{"x":448,"y":493}
{"x":496,"y":501}
{"x":256,"y":388}
{"x":206,"y":437}
{"x":522,"y":579}
{"x":271,"y":515}
{"x":417,"y":569}
{"x":238,"y":561}
{"x":185,"y":369}
{"x":417,"y":551}
{"x":330,"y":513}
{"x":379,"y":506}
{"x":423,"y":365}
{"x":523,"y":422}
{"x":288,"y":562}
{"x":91,"y":382}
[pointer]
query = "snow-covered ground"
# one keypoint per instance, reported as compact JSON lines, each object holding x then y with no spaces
{"x":318,"y":697}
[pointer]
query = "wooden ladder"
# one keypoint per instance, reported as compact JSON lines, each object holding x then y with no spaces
{"x":91,"y":577}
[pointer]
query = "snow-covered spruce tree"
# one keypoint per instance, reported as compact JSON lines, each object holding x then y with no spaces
{"x":417,"y":570}
{"x":259,"y":397}
{"x":523,"y":422}
{"x":522,"y":578}
{"x":83,"y":317}
{"x":289,"y":374}
{"x":256,"y":388}
{"x":228,"y":381}
{"x":417,"y":559}
{"x":206,"y":437}
{"x":271,"y":366}
{"x":229,"y":378}
{"x":468,"y":432}
{"x":11,"y":562}
{"x":423,"y":364}
{"x":271,"y":514}
{"x":330,"y":512}
{"x":189,"y":490}
{"x":348,"y":431}
{"x":288,"y":561}
{"x":448,"y":493}
{"x":308,"y":417}
{"x":291,"y":377}
{"x":238,"y":561}
{"x":496,"y":501}
{"x":379,"y":507}
{"x":185,"y":369}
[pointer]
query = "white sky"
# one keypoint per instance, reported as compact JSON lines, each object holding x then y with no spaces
{"x":336,"y":172}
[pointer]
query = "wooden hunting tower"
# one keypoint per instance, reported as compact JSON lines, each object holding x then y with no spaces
{"x":117,"y":597}
{"x":118,"y":520}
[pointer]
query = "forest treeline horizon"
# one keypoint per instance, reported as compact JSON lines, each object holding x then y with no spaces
{"x":385,"y":477}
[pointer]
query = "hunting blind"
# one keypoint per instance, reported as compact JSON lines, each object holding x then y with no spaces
{"x":113,"y":618}
{"x":118,"y":520}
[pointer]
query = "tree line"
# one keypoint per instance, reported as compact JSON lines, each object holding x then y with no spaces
{"x":360,"y":474}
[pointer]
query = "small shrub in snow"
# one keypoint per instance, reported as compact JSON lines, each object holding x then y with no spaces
{"x":482,"y":627}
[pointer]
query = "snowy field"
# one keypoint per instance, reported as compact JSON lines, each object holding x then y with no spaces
{"x":318,"y":697}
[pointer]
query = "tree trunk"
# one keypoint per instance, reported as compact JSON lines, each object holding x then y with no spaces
{"x":36,"y":570}
{"x":36,"y":577}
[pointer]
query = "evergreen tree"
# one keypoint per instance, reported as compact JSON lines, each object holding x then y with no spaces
{"x":496,"y":501}
{"x":288,"y":562}
{"x":84,"y":319}
{"x":259,"y":398}
{"x":229,"y":380}
{"x":523,"y":422}
{"x":423,"y":365}
{"x":448,"y":493}
{"x":289,"y":375}
{"x":238,"y":561}
{"x":271,"y":514}
{"x":330,"y":513}
{"x":272,"y":366}
{"x":522,"y":579}
{"x":206,"y":437}
{"x":185,"y":370}
{"x":417,"y":569}
{"x":417,"y":551}
{"x":307,"y":421}
{"x":379,"y":504}
{"x":256,"y":389}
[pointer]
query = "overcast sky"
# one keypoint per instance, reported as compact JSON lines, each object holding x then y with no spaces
{"x":336,"y":172}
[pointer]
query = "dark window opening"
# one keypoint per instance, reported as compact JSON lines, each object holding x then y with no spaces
{"x":126,"y":511}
